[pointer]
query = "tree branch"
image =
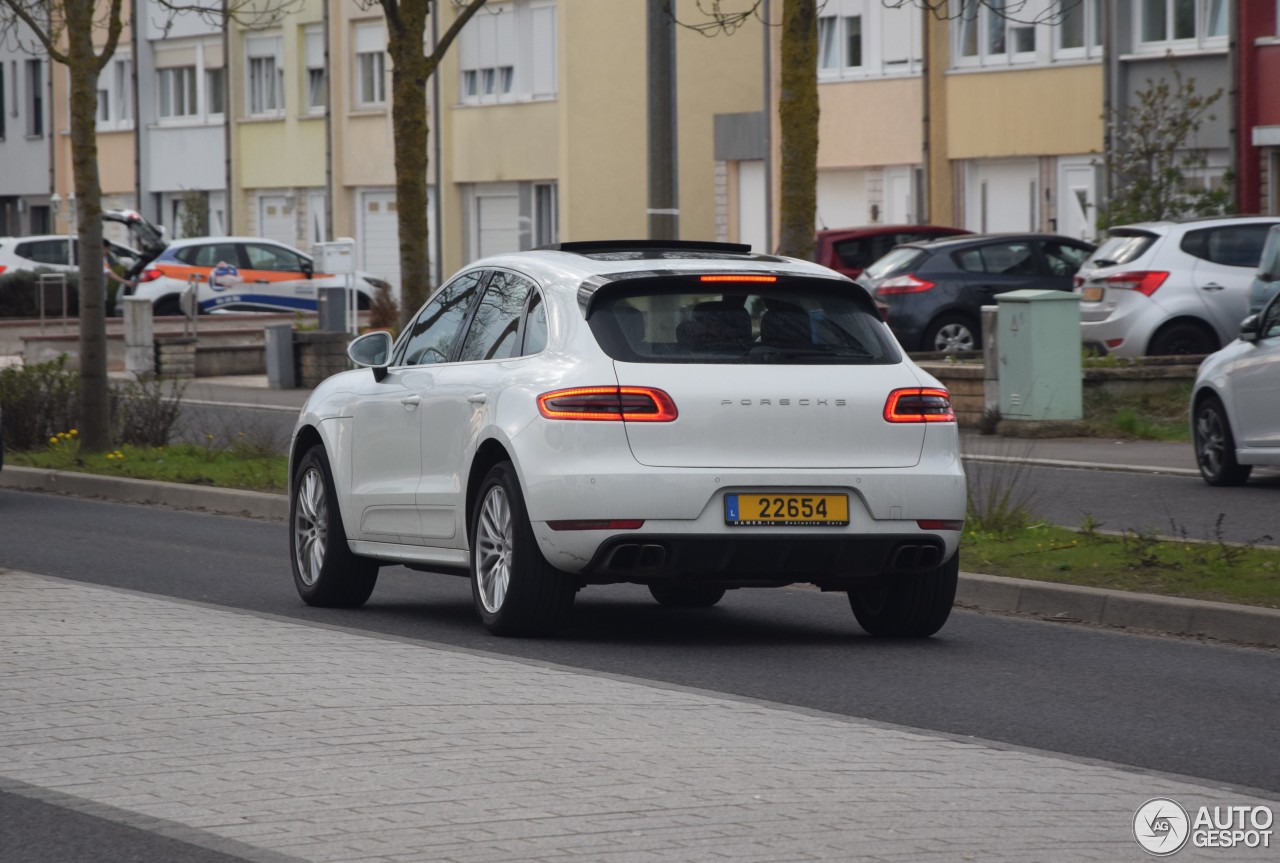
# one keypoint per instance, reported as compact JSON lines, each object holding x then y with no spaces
{"x":443,"y":43}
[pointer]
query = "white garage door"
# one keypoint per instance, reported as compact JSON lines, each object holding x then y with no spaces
{"x":1002,"y":196}
{"x":842,"y":198}
{"x":497,"y":218}
{"x":380,"y":237}
{"x":276,"y":220}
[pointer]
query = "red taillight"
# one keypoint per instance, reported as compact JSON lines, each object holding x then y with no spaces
{"x":2,"y":271}
{"x":940,"y":523}
{"x":632,"y":404}
{"x":907,"y":284}
{"x":1144,"y":282}
{"x":1114,"y":343}
{"x":1078,"y":281}
{"x":150,"y":274}
{"x":919,"y":405}
{"x":736,"y":278}
{"x":598,"y":524}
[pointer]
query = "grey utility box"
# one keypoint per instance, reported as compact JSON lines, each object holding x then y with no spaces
{"x":1038,"y":342}
{"x":331,"y":308}
{"x":279,"y":356}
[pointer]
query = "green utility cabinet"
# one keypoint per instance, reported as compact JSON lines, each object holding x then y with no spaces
{"x":1038,"y":343}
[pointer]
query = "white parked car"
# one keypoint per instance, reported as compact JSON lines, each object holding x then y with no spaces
{"x":1167,"y":288}
{"x":688,"y":416}
{"x":56,"y":252}
{"x":1235,"y":403}
{"x":241,"y":274}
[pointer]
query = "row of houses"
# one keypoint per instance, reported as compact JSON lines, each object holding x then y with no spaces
{"x":282,"y":127}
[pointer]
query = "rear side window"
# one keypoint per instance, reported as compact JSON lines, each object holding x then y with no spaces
{"x":44,"y":251}
{"x":793,"y":321}
{"x":1229,"y":245}
{"x":1122,"y":247}
{"x":1007,"y":258}
{"x":494,"y":333}
{"x":208,"y":255}
{"x":895,"y":263}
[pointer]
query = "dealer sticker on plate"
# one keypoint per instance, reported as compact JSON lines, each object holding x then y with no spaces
{"x":769,"y":509}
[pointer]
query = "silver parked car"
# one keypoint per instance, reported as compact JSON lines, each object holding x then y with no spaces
{"x":1235,"y":404}
{"x":1161,"y":288}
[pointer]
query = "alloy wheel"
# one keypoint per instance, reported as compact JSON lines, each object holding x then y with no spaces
{"x":310,"y":526}
{"x":1211,"y":440}
{"x":952,"y":338}
{"x":494,"y":550}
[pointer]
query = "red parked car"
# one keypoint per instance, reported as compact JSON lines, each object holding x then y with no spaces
{"x":851,"y":250}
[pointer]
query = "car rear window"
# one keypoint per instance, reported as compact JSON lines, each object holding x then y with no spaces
{"x":794,"y":321}
{"x":1122,"y":247}
{"x":895,"y":263}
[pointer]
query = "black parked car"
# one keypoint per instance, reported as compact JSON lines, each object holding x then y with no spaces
{"x":935,"y":290}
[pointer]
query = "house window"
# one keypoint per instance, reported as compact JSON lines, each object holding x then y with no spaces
{"x":266,"y":76}
{"x":1163,"y":25}
{"x":371,"y":71}
{"x":507,"y":52}
{"x":997,"y":32}
{"x":178,"y":92}
{"x":317,"y":82}
{"x":35,"y":98}
{"x":857,"y":38}
{"x":215,"y":94}
{"x":115,"y":88}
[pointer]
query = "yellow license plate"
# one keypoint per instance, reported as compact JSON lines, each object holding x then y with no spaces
{"x":1092,"y":294}
{"x":770,"y":509}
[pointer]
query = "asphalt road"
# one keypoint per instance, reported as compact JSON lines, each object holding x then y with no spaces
{"x":1163,"y":704}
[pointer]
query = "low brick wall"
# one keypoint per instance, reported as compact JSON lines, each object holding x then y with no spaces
{"x":176,"y":357}
{"x":218,"y":360}
{"x":317,"y":355}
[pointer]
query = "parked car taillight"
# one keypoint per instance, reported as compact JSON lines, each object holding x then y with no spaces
{"x":1078,"y":281}
{"x":915,"y":405}
{"x":632,"y":404}
{"x":1144,"y":282}
{"x":907,"y":284}
{"x":150,"y":274}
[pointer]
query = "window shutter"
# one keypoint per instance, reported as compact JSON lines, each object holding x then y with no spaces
{"x":543,"y":68}
{"x":314,"y":48}
{"x":370,"y":39}
{"x":171,"y":56}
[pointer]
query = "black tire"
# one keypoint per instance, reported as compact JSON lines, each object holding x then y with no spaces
{"x":325,"y":572}
{"x":1216,"y":446}
{"x":914,"y":605}
{"x":167,"y":306}
{"x":951,"y":333}
{"x":515,"y":591}
{"x":1182,"y":338}
{"x":686,"y":595}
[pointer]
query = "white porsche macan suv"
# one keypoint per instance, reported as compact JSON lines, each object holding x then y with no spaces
{"x":688,"y":416}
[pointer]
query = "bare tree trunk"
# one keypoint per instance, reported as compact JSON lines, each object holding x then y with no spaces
{"x":798,"y":119}
{"x":95,"y":418}
{"x":409,"y":74}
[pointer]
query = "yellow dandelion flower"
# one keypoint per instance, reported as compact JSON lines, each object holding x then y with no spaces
{"x":73,"y":432}
{"x":53,"y":440}
{"x":110,"y":456}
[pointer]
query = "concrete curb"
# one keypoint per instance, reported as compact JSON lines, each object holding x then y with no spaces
{"x":1066,"y":603}
{"x":251,"y":504}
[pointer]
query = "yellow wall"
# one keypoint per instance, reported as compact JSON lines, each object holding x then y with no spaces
{"x":1025,"y":112}
{"x":501,"y":143}
{"x":870,"y":123}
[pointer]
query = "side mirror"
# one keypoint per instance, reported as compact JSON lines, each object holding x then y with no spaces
{"x":372,"y":350}
{"x":1249,"y":329}
{"x":308,"y":268}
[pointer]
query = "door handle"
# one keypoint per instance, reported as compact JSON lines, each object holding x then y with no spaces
{"x":1212,"y":286}
{"x":411,"y":402}
{"x":478,"y":398}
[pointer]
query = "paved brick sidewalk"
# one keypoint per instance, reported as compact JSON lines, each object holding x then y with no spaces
{"x":275,"y":740}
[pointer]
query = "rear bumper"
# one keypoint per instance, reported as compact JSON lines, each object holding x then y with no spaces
{"x":832,"y":561}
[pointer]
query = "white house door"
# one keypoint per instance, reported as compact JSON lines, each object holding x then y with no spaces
{"x":843,"y":201}
{"x":497,"y":219}
{"x":751,"y":205}
{"x":899,"y":196}
{"x":1077,"y":198}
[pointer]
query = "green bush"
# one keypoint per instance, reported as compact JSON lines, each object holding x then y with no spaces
{"x":143,"y":413}
{"x":37,"y":402}
{"x":20,"y":297}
